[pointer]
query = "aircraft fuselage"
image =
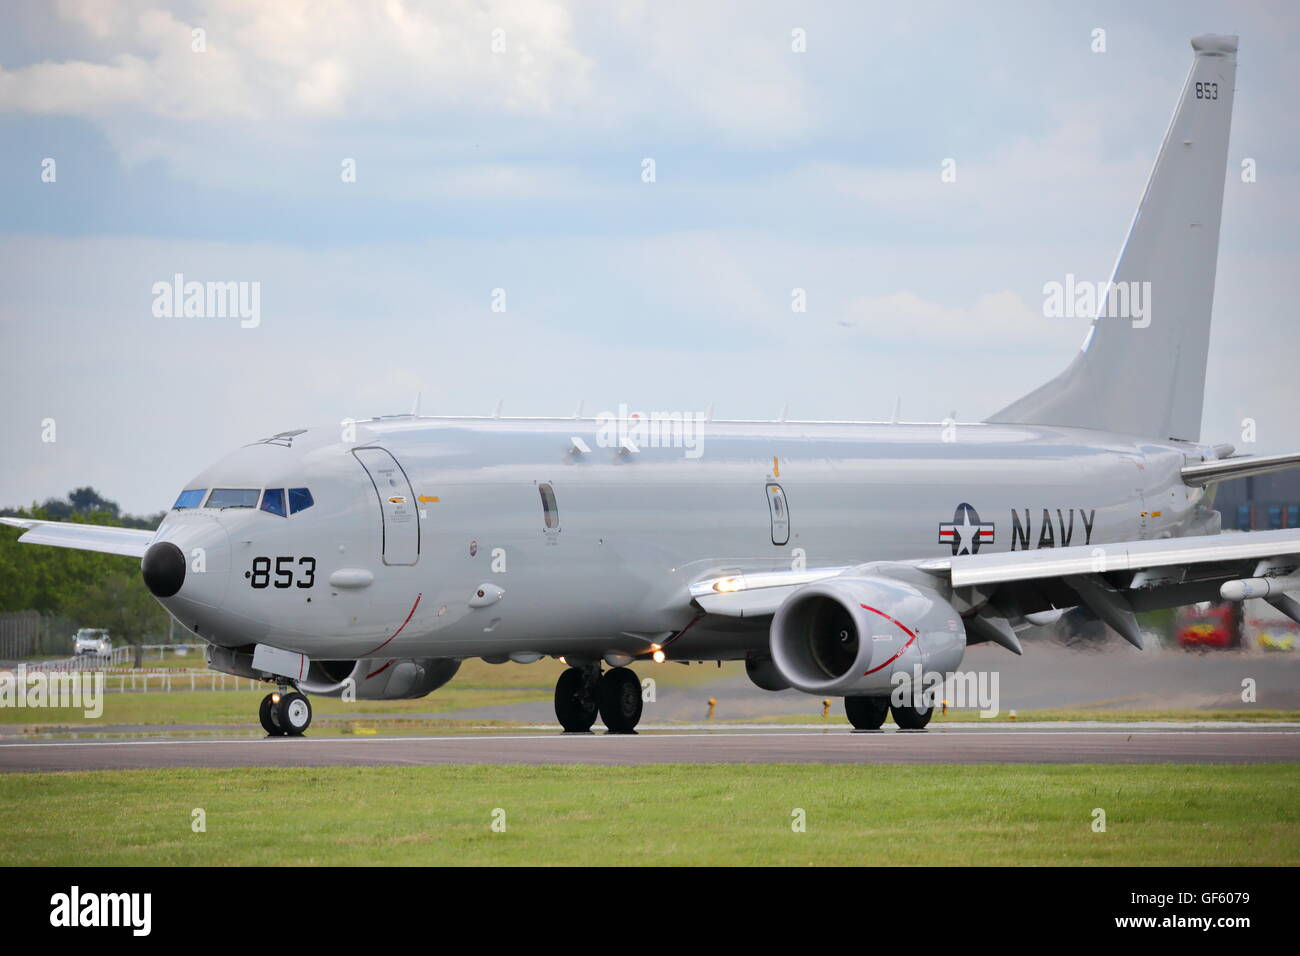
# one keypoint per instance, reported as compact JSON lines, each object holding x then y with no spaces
{"x":414,"y":517}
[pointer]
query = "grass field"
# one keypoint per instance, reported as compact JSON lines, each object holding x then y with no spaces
{"x":666,"y":814}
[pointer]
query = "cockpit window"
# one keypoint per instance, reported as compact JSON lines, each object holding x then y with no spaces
{"x":299,"y":498}
{"x":190,"y":498}
{"x":273,"y":501}
{"x":234,"y":497}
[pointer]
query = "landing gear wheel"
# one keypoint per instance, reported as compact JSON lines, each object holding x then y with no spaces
{"x":866,"y":713}
{"x":619,"y":697}
{"x":266,"y":714}
{"x":911,"y":718}
{"x":575,"y":701}
{"x":293,"y":714}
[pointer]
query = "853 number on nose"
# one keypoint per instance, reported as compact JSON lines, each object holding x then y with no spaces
{"x":287,"y":572}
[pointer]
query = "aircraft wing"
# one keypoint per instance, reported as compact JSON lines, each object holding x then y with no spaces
{"x":131,"y":542}
{"x":1202,"y":556}
{"x":1114,"y":581}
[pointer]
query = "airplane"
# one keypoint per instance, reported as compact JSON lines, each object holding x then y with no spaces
{"x":371,"y":558}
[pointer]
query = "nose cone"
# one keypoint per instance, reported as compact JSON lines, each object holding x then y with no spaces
{"x":163,"y":569}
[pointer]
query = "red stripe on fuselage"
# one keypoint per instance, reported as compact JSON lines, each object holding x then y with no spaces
{"x":404,"y":623}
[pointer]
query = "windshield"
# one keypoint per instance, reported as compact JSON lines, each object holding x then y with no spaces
{"x":234,"y":497}
{"x":189,"y":498}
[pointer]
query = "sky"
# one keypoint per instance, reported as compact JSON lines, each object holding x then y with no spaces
{"x":451,"y":199}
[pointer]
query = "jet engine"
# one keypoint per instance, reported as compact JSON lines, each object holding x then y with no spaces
{"x":848,"y":635}
{"x":371,"y":679}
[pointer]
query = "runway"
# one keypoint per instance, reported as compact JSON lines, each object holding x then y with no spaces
{"x":970,"y":744}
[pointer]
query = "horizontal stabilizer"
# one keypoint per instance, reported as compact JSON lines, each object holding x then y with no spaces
{"x":1212,"y":471}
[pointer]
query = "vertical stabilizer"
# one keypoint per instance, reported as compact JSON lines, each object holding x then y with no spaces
{"x":1141,"y":369}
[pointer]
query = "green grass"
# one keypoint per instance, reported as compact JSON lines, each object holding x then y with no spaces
{"x":665,"y":814}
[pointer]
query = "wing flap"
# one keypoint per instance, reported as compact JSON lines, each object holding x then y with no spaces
{"x":130,"y":542}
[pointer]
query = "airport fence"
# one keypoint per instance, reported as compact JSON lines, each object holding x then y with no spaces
{"x":144,"y":681}
{"x":30,"y":634}
{"x":125,"y":655}
{"x":167,"y":680}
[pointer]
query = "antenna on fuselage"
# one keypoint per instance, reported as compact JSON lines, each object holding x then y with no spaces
{"x":415,"y":409}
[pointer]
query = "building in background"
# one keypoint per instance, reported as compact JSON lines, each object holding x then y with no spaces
{"x":1261,"y":503}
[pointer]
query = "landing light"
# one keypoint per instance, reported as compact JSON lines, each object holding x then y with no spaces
{"x":727,"y":585}
{"x":659,"y":657}
{"x":275,"y":698}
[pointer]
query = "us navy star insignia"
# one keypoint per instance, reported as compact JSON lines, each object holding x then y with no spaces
{"x":965,"y":532}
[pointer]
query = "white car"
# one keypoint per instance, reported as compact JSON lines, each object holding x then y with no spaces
{"x":92,"y":640}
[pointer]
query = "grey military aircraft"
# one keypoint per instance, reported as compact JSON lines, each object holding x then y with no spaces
{"x":371,"y":558}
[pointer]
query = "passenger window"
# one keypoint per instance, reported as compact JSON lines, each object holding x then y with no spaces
{"x":234,"y":497}
{"x":299,"y":498}
{"x":550,"y":510}
{"x":273,"y":501}
{"x":190,"y":498}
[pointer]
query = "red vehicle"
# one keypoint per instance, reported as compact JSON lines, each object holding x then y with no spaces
{"x":1209,"y":626}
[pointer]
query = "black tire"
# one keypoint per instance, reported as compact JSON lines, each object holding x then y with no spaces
{"x":293,"y":714}
{"x":866,"y":713}
{"x":618,"y":696}
{"x":266,"y":714}
{"x":575,"y":704}
{"x":912,"y":718}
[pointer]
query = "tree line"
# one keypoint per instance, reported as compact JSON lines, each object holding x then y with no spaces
{"x":92,"y":589}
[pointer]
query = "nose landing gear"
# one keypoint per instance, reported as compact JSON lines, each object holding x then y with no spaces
{"x":285,"y":714}
{"x":583,"y":692}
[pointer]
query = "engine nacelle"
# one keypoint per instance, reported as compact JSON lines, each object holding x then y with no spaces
{"x":371,"y":679}
{"x":380,"y":679}
{"x":848,"y":635}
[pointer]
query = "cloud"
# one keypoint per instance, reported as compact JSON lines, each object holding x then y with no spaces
{"x":294,"y":60}
{"x":996,"y":317}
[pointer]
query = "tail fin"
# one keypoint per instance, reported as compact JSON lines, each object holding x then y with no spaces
{"x":1141,"y":369}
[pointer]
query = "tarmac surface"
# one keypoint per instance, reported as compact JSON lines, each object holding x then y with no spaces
{"x":955,"y":743}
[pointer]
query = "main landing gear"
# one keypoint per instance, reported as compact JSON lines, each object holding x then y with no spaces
{"x":583,"y":692}
{"x":285,"y":714}
{"x":868,"y":713}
